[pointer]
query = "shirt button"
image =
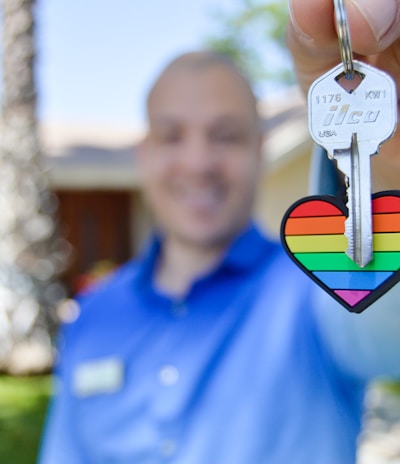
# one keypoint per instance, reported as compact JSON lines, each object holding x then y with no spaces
{"x":168,"y":375}
{"x":168,"y":448}
{"x":179,"y":308}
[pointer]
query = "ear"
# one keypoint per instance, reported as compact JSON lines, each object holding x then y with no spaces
{"x":141,"y":150}
{"x":260,"y":144}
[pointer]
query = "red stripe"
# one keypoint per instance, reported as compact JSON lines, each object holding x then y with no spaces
{"x":389,"y":204}
{"x":316,"y":208}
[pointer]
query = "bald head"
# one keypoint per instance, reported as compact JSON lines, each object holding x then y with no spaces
{"x":199,"y":62}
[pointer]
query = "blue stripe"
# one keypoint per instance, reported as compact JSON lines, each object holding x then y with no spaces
{"x":357,"y":280}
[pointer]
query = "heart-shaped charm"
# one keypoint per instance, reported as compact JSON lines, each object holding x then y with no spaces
{"x":312,"y":233}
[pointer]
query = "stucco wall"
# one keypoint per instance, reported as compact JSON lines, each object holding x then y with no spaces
{"x":279,"y":189}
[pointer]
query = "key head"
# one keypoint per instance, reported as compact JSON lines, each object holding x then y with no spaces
{"x":370,"y":110}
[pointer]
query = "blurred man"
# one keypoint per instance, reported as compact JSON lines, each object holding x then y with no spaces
{"x":211,"y":347}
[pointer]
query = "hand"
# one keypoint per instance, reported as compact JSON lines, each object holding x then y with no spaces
{"x":375,"y":37}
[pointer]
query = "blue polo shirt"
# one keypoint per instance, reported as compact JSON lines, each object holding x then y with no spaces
{"x":236,"y":372}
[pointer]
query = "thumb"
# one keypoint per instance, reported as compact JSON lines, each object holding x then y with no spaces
{"x":379,"y":20}
{"x":374,"y":29}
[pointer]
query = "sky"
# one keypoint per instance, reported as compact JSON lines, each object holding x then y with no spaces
{"x":97,"y":58}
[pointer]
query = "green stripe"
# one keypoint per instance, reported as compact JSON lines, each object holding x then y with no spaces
{"x":341,"y":262}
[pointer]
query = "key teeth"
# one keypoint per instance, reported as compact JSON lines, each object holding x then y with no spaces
{"x":350,"y":243}
{"x":348,"y":224}
{"x":360,"y":260}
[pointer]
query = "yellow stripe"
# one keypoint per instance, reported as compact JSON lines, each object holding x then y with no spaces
{"x":338,"y":243}
{"x":317,"y":243}
{"x":386,"y":242}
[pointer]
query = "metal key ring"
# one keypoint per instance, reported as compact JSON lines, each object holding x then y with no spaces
{"x":342,"y":27}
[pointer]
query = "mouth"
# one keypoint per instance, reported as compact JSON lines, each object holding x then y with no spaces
{"x":202,"y":200}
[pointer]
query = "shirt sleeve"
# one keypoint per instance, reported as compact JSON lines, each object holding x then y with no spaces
{"x":367,"y":344}
{"x":59,"y":441}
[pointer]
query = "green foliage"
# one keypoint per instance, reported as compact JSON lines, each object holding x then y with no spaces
{"x":253,"y":35}
{"x":23,"y":404}
{"x":393,"y":387}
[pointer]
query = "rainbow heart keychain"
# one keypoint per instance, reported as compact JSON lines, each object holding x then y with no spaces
{"x":313,"y":236}
{"x":351,"y":249}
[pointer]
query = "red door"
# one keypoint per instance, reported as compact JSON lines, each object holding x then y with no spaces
{"x":98,"y":226}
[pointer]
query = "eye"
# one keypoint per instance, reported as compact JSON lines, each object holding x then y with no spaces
{"x":168,"y":137}
{"x":227,"y":136}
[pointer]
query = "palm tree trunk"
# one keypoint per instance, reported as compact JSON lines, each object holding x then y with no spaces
{"x":30,"y":254}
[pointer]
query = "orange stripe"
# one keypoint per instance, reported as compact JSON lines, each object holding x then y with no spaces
{"x":315,"y":225}
{"x":386,"y":222}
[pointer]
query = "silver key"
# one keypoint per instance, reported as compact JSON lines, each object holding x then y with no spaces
{"x":351,"y":116}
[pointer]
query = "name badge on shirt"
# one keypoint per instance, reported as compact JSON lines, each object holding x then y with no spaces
{"x":98,"y":377}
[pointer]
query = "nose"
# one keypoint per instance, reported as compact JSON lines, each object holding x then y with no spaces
{"x":197,"y":155}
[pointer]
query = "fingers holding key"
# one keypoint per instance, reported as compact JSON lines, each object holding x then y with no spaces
{"x":374,"y":29}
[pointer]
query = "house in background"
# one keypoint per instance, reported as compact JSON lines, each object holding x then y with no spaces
{"x":102,"y":215}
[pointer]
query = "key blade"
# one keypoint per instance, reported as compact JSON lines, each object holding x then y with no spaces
{"x":358,"y":225}
{"x":351,"y":123}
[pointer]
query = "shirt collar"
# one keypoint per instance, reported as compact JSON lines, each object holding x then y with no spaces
{"x":245,"y":251}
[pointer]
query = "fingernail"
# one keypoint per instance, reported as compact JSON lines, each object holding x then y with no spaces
{"x":379,"y":15}
{"x":295,"y":24}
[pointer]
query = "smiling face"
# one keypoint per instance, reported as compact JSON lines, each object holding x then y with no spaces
{"x":200,"y":160}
